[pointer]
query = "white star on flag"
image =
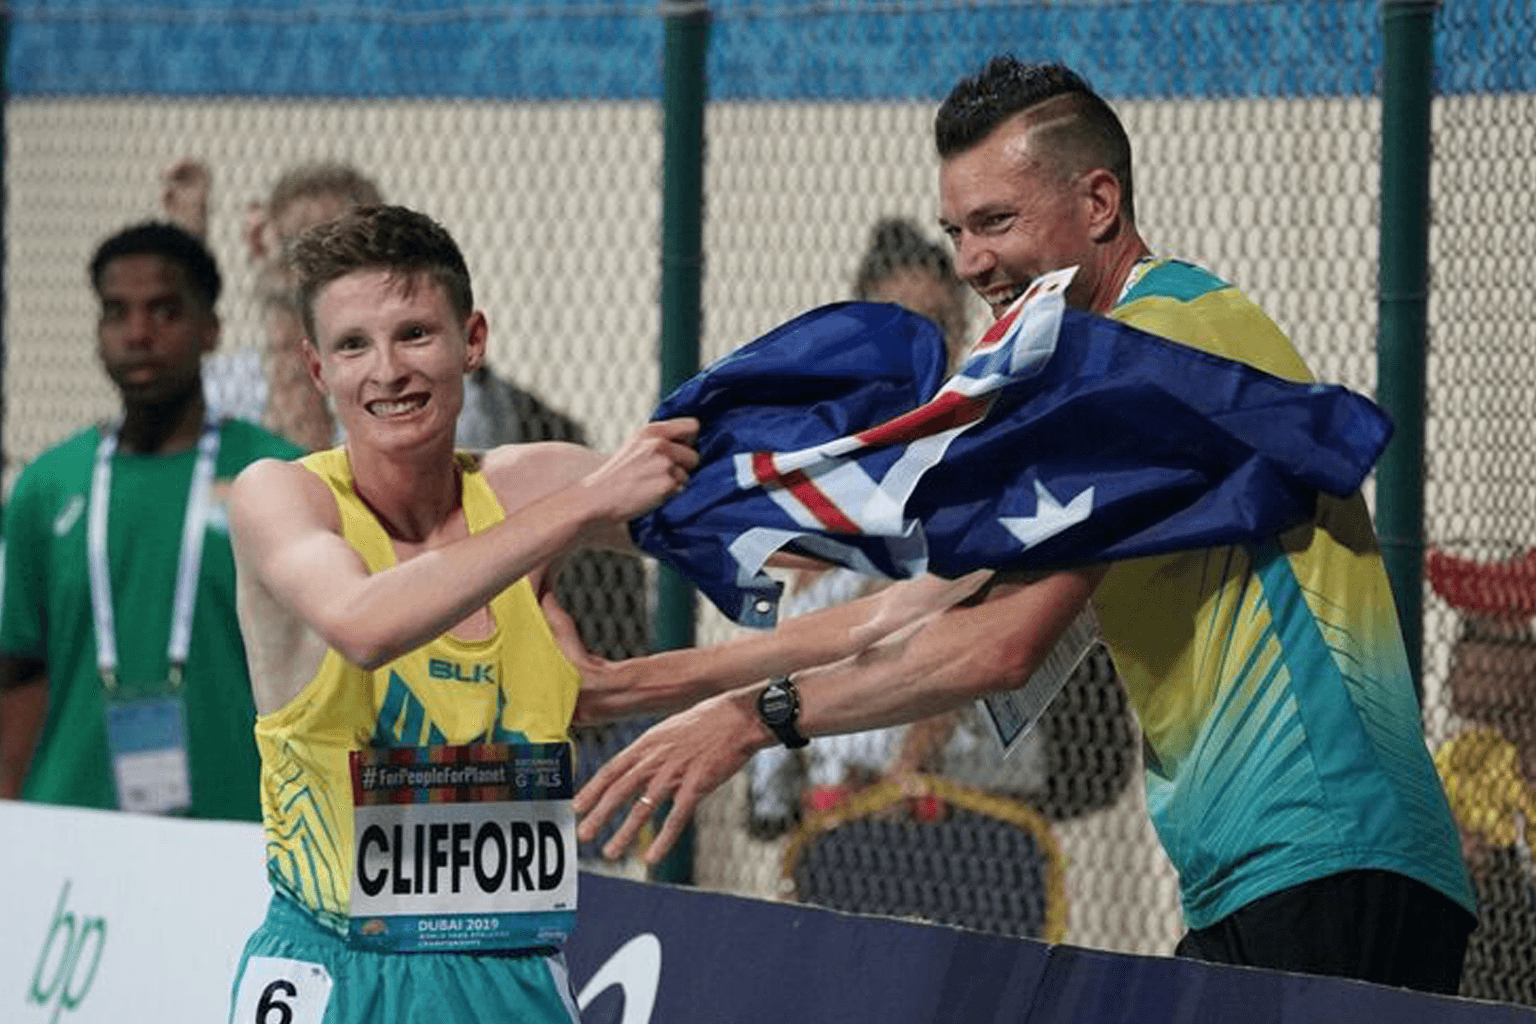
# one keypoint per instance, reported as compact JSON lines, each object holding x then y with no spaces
{"x":1050,"y":518}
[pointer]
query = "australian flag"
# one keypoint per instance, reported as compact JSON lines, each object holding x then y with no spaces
{"x":1065,"y":439}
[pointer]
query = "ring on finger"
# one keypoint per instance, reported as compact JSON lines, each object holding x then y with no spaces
{"x":647,"y":801}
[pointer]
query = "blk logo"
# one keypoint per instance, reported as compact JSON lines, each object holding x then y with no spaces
{"x":442,"y":668}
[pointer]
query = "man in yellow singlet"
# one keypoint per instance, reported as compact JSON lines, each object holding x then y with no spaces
{"x":412,"y":705}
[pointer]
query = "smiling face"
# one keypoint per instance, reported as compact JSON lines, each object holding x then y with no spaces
{"x":153,"y":330}
{"x":391,"y":353}
{"x":1013,"y":216}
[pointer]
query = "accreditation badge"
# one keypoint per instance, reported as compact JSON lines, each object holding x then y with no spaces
{"x":147,"y":741}
{"x":469,"y":848}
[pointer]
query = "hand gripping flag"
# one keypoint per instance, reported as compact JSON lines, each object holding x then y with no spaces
{"x":1065,"y":439}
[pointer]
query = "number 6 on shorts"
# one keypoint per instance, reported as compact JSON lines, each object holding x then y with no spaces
{"x":278,"y":991}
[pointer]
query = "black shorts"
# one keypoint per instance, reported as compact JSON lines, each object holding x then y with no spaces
{"x":1371,"y":925}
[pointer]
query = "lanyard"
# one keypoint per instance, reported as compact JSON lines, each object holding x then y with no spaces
{"x":193,"y":526}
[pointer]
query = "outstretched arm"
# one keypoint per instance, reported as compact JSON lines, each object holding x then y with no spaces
{"x":289,"y":547}
{"x":930,"y":667}
{"x":671,"y":680}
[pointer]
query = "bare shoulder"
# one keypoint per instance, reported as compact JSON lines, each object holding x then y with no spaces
{"x":264,"y":474}
{"x":524,"y":473}
{"x":277,"y":491}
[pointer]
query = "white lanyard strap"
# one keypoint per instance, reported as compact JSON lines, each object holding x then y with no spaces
{"x":194,"y":525}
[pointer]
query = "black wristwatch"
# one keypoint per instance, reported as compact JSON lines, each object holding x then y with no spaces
{"x":779,"y":707}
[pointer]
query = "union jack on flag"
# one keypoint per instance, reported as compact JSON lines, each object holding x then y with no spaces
{"x":1064,"y":439}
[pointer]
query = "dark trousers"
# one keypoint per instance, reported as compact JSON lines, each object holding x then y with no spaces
{"x":1371,"y":925}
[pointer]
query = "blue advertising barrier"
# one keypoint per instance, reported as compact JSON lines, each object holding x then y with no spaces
{"x":647,"y":954}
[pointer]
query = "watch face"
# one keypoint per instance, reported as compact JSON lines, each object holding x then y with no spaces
{"x":779,"y":706}
{"x":776,"y":704}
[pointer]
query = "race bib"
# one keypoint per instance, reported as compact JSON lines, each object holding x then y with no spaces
{"x":1013,"y":713}
{"x":463,"y":848}
{"x":275,"y":990}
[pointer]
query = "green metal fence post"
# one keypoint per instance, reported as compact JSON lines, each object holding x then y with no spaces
{"x":682,"y":271}
{"x":1407,"y":73}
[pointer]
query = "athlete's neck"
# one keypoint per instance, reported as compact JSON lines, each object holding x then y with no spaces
{"x":1125,"y":253}
{"x":163,"y":428}
{"x":412,"y":496}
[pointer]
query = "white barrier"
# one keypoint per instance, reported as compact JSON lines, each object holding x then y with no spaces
{"x":120,"y":918}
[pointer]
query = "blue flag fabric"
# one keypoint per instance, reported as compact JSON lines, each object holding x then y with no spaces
{"x":1064,"y":439}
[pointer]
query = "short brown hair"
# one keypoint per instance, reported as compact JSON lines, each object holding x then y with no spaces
{"x":393,"y":239}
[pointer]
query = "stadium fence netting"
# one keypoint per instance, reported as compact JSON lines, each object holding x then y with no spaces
{"x":533,"y":131}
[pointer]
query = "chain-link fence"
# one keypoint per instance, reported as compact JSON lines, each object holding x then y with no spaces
{"x":1480,"y":507}
{"x":532,"y":131}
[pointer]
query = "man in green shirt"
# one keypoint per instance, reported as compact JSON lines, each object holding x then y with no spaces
{"x":123,"y":680}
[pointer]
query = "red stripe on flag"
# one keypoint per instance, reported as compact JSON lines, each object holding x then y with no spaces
{"x":763,"y":468}
{"x":998,"y":332}
{"x":807,"y":493}
{"x":947,"y":410}
{"x":819,"y":505}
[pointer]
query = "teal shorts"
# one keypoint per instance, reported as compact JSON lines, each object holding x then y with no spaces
{"x":296,"y":971}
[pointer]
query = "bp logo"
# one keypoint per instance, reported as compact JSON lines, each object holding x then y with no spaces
{"x":68,"y":961}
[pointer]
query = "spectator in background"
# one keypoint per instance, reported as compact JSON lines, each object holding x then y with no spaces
{"x":123,"y":679}
{"x":850,"y":860}
{"x":1051,"y":771}
{"x":902,"y":267}
{"x":304,"y":195}
{"x":1489,"y":766}
{"x":1081,"y":755}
